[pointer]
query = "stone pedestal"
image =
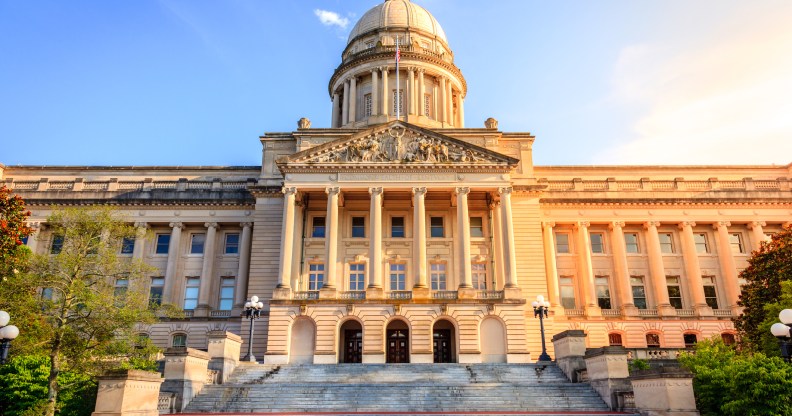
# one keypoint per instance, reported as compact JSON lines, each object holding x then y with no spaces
{"x":569,"y":347}
{"x":375,"y":293}
{"x":224,"y":351}
{"x":128,"y":393}
{"x":607,"y":372}
{"x":281,"y":293}
{"x":466,"y":293}
{"x":327,"y":293}
{"x":419,"y":293}
{"x":664,"y":392}
{"x":185,"y":374}
{"x":512,"y":293}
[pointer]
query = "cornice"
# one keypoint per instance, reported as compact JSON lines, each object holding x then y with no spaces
{"x":649,"y":203}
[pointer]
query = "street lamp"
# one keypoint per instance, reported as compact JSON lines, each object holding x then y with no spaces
{"x":252,"y":312}
{"x":782,"y":332}
{"x":7,"y":334}
{"x":540,"y":307}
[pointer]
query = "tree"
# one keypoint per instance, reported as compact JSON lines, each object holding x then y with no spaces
{"x":768,"y":267}
{"x":97,"y":296}
{"x":13,"y":229}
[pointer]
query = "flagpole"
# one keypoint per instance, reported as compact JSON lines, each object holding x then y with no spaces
{"x":398,"y":95}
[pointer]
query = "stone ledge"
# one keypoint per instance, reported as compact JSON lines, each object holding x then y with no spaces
{"x":661,"y":372}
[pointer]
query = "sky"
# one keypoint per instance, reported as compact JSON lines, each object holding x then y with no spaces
{"x":196,"y":82}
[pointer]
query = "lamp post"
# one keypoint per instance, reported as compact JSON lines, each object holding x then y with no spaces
{"x":540,"y":307}
{"x":782,"y":332}
{"x":252,"y":312}
{"x":7,"y":334}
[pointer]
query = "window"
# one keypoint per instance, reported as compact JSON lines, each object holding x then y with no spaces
{"x":710,"y":294}
{"x":701,"y":243}
{"x":427,"y":105}
{"x":397,"y":227}
{"x":728,"y":338}
{"x":179,"y":340}
{"x":566,"y":285}
{"x":357,"y":276}
{"x":191,"y":293}
{"x":197,"y":242}
{"x":638,"y":291}
{"x":397,"y":276}
{"x":476,"y":227}
{"x":127,"y":245}
{"x":155,"y":290}
{"x":562,"y":243}
{"x":397,"y":102}
{"x":603,"y":292}
{"x":652,"y":340}
{"x":367,"y":105}
{"x":690,"y":340}
{"x":615,"y":340}
{"x":318,"y":227}
{"x":666,"y":243}
{"x":736,"y":243}
{"x":315,"y":275}
{"x":674,"y":292}
{"x":358,"y":227}
{"x":226,"y":293}
{"x":436,"y":227}
{"x":631,"y":242}
{"x":57,"y":244}
{"x":120,"y":288}
{"x":597,"y":243}
{"x":163,"y":241}
{"x":232,"y":244}
{"x":438,"y":276}
{"x":479,"y":274}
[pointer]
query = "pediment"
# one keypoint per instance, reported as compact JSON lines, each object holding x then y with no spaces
{"x":398,"y":144}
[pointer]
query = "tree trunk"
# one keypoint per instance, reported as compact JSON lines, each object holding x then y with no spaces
{"x":52,"y":385}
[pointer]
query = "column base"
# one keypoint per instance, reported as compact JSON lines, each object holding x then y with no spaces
{"x":557,"y":310}
{"x":703,"y":310}
{"x":736,"y":310}
{"x":666,"y":310}
{"x":512,"y":293}
{"x":201,"y":311}
{"x":374,"y":358}
{"x":593,"y":312}
{"x":466,"y":293}
{"x":375,"y":293}
{"x":277,"y":359}
{"x":327,"y":293}
{"x":282,"y":293}
{"x":629,"y":311}
{"x":420,"y":293}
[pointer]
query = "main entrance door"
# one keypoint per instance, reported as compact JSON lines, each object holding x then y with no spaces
{"x":441,"y":339}
{"x":353,"y":350}
{"x":397,"y":342}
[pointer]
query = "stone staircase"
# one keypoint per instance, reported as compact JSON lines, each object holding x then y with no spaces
{"x":382,"y":389}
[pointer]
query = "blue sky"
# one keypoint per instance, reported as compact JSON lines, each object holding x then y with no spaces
{"x":195,"y":82}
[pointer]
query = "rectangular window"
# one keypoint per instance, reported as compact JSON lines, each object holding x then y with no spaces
{"x":666,"y":243}
{"x":736,"y":243}
{"x":232,"y":244}
{"x":367,"y":105}
{"x":566,"y":284}
{"x":163,"y":242}
{"x":690,"y":340}
{"x":315,"y":276}
{"x":701,"y":243}
{"x":179,"y":341}
{"x":562,"y":243}
{"x":653,"y":340}
{"x":197,"y":242}
{"x":427,"y":105}
{"x":57,"y":244}
{"x":597,"y":243}
{"x":436,"y":227}
{"x":397,"y":227}
{"x":438,"y":276}
{"x":710,"y":294}
{"x":397,"y":276}
{"x":631,"y":242}
{"x":120,"y":289}
{"x":603,"y":292}
{"x":191,"y":292}
{"x":318,"y":227}
{"x":397,"y":102}
{"x":226,"y":293}
{"x":358,"y":227}
{"x":479,"y":274}
{"x":638,"y":291}
{"x":674,"y":292}
{"x":615,"y":340}
{"x":127,"y":245}
{"x":357,"y":276}
{"x":476,"y":227}
{"x":155,"y":290}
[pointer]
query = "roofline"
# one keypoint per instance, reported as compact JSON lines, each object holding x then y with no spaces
{"x":130,"y":167}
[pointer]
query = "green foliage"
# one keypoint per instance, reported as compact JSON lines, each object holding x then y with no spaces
{"x":738,"y":384}
{"x":637,"y":365}
{"x":13,"y":229}
{"x":768,"y":267}
{"x":767,"y":343}
{"x":23,"y":388}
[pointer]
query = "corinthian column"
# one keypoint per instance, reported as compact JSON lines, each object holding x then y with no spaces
{"x":345,"y":108}
{"x":375,"y":106}
{"x":509,"y":251}
{"x":411,"y":90}
{"x":657,"y":270}
{"x":463,"y":223}
{"x":421,"y":92}
{"x":621,"y":272}
{"x":385,"y":96}
{"x":287,"y":238}
{"x":693,"y":269}
{"x":207,"y":268}
{"x":586,"y":270}
{"x":419,"y":237}
{"x":353,"y":99}
{"x":757,"y":234}
{"x":375,"y":218}
{"x":551,"y":268}
{"x":173,"y":257}
{"x":243,"y":269}
{"x":140,"y":240}
{"x":443,"y":106}
{"x":728,"y":268}
{"x":335,"y":122}
{"x":331,"y":241}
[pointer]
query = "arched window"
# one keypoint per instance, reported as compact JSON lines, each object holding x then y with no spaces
{"x":615,"y":339}
{"x":690,"y":340}
{"x":179,"y":340}
{"x":728,"y":338}
{"x":652,"y":340}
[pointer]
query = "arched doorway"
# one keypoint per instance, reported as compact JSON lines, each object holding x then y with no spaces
{"x":493,"y":341}
{"x":397,"y":342}
{"x":351,"y":336}
{"x":303,"y":342}
{"x":444,"y":342}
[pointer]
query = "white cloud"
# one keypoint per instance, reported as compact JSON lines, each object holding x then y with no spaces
{"x":329,"y":18}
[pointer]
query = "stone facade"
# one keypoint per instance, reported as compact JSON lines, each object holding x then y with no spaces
{"x":416,"y":239}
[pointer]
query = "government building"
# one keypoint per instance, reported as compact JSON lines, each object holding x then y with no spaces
{"x":401,"y":234}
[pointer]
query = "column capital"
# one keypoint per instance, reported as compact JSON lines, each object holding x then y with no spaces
{"x":754,"y":224}
{"x":719,"y":224}
{"x":375,"y":190}
{"x":419,"y":190}
{"x":684,"y":224}
{"x":421,"y":70}
{"x":582,"y":224}
{"x":210,"y":224}
{"x":548,"y":224}
{"x":34,"y":225}
{"x":649,"y":224}
{"x":374,"y":70}
{"x":289,"y":190}
{"x":505,"y":190}
{"x":246,"y":224}
{"x":139,"y":224}
{"x":176,"y":225}
{"x":333,"y":190}
{"x":462,"y":190}
{"x":616,"y":224}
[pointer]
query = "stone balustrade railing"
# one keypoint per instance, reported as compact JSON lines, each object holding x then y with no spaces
{"x":114,"y":185}
{"x":355,"y":294}
{"x":654,"y":353}
{"x":166,"y":403}
{"x":678,"y":184}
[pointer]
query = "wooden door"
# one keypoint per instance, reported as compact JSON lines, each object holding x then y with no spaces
{"x":353,"y":346}
{"x":398,"y":346}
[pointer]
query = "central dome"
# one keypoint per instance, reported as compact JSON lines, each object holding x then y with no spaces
{"x":398,"y":14}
